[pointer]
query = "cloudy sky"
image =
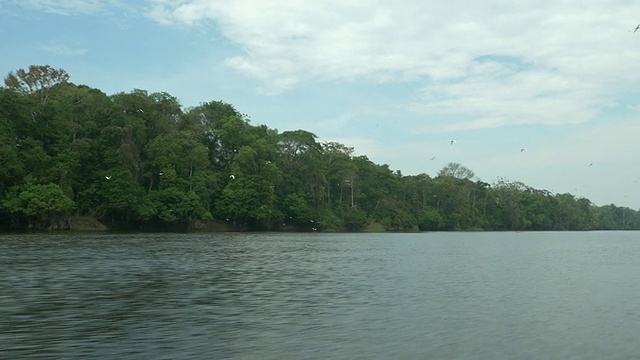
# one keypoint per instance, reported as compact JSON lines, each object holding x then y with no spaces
{"x":397,"y":80}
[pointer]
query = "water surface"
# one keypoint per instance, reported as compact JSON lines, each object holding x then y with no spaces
{"x":543,"y":295}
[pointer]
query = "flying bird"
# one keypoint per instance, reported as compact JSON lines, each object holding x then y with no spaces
{"x":590,"y":164}
{"x":232,"y":176}
{"x":108,"y":177}
{"x":637,"y":27}
{"x":433,"y":158}
{"x":452,"y":142}
{"x":523,"y":149}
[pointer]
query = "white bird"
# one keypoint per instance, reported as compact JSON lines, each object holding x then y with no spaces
{"x":160,"y":173}
{"x":452,"y":142}
{"x":108,"y":177}
{"x":232,"y":176}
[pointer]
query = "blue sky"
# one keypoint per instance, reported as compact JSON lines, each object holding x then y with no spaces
{"x":395,"y":80}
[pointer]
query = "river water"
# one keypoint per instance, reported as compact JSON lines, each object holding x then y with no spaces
{"x":530,"y":295}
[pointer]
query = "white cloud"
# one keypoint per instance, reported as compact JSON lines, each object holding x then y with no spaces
{"x":67,"y":7}
{"x":494,"y":96}
{"x":62,"y":49}
{"x":549,"y":62}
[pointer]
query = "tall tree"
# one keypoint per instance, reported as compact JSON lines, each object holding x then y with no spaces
{"x":456,"y":170}
{"x":37,"y":80}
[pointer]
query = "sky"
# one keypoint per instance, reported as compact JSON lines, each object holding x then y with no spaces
{"x":396,"y":80}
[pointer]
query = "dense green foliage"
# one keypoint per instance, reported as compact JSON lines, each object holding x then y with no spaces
{"x":139,"y":161}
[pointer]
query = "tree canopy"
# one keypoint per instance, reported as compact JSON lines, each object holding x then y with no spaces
{"x":138,"y":160}
{"x":38,"y":80}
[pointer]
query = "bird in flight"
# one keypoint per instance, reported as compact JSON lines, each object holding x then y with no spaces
{"x":433,"y":158}
{"x":523,"y":149}
{"x":590,"y":164}
{"x":108,"y":177}
{"x":452,"y":142}
{"x":232,"y":176}
{"x":637,"y":27}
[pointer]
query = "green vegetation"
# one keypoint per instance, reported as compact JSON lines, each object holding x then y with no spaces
{"x":139,"y":161}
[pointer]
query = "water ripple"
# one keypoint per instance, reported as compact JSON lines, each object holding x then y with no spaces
{"x":320,"y":296}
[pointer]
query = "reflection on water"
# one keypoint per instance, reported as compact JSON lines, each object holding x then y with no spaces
{"x":298,"y":296}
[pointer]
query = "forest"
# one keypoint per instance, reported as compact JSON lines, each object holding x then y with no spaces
{"x":139,"y":161}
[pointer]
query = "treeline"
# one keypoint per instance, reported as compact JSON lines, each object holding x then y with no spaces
{"x":137,"y":160}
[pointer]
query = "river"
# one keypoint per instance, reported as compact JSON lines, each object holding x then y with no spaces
{"x":484,"y":295}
